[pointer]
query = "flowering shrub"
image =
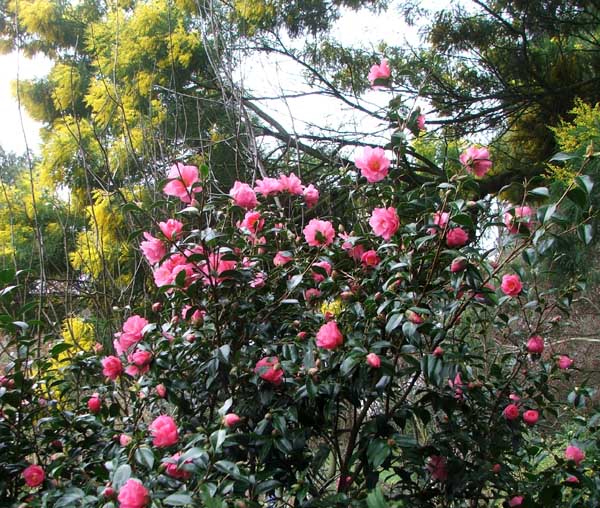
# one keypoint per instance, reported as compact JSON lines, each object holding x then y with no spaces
{"x":291,"y":360}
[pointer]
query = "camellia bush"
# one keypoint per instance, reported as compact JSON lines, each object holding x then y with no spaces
{"x":391,"y":357}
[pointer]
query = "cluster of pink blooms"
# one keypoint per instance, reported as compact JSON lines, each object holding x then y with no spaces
{"x":245,"y":196}
{"x":512,"y":412}
{"x":125,"y":343}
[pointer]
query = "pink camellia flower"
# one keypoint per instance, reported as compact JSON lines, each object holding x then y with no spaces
{"x":94,"y":403}
{"x":319,"y":233}
{"x":167,"y":272}
{"x":259,"y":280}
{"x":182,"y":183}
{"x":440,"y":219}
{"x":531,"y":417}
{"x":33,"y":475}
{"x":572,"y":479}
{"x":458,"y":264}
{"x":172,"y":229}
{"x":268,"y":186}
{"x":269,"y":369}
{"x":311,"y":195}
{"x":516,"y":501}
{"x":174,"y":471}
{"x":564,"y":362}
{"x":164,"y":431}
{"x":438,"y":468}
{"x":112,"y":367}
{"x":476,"y":160}
{"x":253,"y":222}
{"x":195,"y":317}
{"x":140,"y":362}
{"x":575,"y":454}
{"x":456,"y":237}
{"x":329,"y":336}
{"x":511,"y":412}
{"x":373,"y":361}
{"x":243,"y":195}
{"x":319,"y":277}
{"x":133,"y":494}
{"x":124,"y":440}
{"x":356,"y":252}
{"x":214,"y":266}
{"x":414,"y":318}
{"x":511,"y":285}
{"x":421,"y":122}
{"x":231,"y":420}
{"x":161,"y":391}
{"x":384,"y":222}
{"x":373,"y":164}
{"x":535,"y":345}
{"x":381,"y":71}
{"x":153,"y":248}
{"x":133,"y":331}
{"x":282,"y":258}
{"x":291,"y":183}
{"x":513,"y":223}
{"x":370,"y":258}
{"x":312,"y":294}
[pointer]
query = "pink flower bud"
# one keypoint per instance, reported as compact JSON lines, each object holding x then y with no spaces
{"x":231,"y":420}
{"x":535,"y":345}
{"x":496,"y":468}
{"x":564,"y":362}
{"x":458,"y":264}
{"x":124,"y":439}
{"x":516,"y":501}
{"x":531,"y":417}
{"x":157,"y":307}
{"x":373,"y":360}
{"x":161,"y":391}
{"x":438,"y":351}
{"x":94,"y":403}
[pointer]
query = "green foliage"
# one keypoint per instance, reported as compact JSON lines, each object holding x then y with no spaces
{"x":424,"y":428}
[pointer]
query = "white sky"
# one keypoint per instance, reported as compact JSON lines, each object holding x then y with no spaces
{"x":14,"y":129}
